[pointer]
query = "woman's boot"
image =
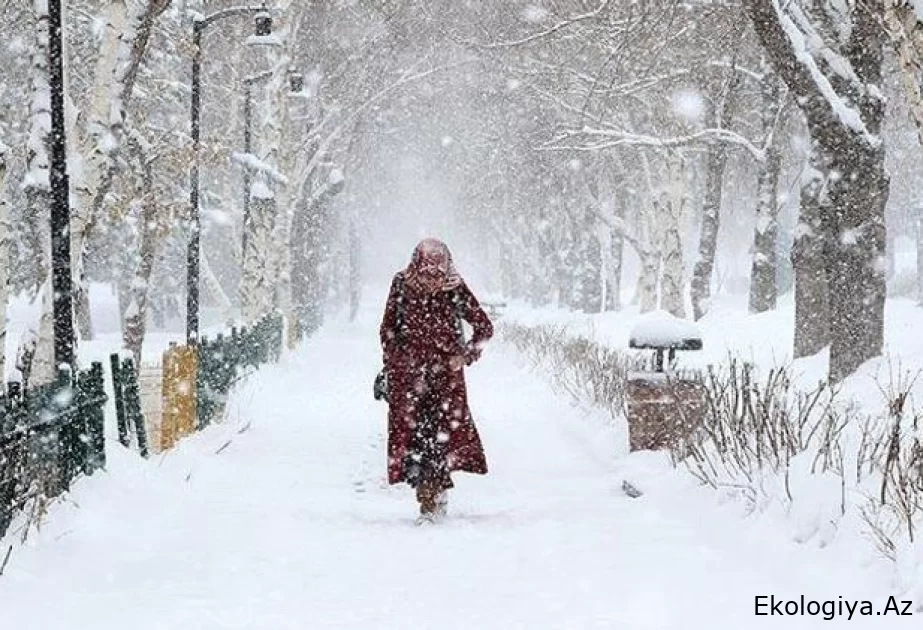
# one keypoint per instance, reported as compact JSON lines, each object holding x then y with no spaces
{"x":441,"y":503}
{"x":427,"y":499}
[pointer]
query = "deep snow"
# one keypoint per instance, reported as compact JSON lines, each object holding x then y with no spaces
{"x":290,"y":525}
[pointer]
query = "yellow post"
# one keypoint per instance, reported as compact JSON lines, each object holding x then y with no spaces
{"x":179,"y":404}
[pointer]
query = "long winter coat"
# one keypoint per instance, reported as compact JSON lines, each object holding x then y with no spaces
{"x":416,"y":359}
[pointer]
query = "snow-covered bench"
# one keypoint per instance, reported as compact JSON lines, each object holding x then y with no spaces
{"x":662,"y":332}
{"x":664,"y":407}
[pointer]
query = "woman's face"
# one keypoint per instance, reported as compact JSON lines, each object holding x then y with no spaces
{"x":432,"y":276}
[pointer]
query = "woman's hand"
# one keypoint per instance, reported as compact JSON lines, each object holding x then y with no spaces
{"x":457,"y":362}
{"x":472,"y":353}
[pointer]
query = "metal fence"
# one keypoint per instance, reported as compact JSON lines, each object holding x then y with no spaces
{"x":222,"y":360}
{"x":51,"y":434}
{"x":48,"y":436}
{"x":127,"y":394}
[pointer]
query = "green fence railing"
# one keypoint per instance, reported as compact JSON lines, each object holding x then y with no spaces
{"x":127,"y":392}
{"x":221,"y":361}
{"x":49,"y":436}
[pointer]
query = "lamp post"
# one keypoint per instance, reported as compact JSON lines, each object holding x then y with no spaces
{"x":61,"y":281}
{"x":263,"y":30}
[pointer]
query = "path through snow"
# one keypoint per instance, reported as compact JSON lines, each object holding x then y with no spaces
{"x":292,"y":527}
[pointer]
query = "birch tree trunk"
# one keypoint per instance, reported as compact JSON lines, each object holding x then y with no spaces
{"x":262,"y":219}
{"x":616,"y":257}
{"x":39,"y":350}
{"x":152,"y":230}
{"x":263,"y":261}
{"x":649,"y":256}
{"x":672,"y":296}
{"x":123,"y":47}
{"x":648,"y":245}
{"x":96,"y":155}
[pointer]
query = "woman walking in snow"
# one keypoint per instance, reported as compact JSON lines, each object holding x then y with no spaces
{"x":431,"y":433}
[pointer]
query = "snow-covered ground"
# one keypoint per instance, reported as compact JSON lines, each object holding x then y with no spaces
{"x":280,"y":518}
{"x":818,"y":510}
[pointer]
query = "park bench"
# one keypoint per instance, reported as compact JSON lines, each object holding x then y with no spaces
{"x":664,"y":404}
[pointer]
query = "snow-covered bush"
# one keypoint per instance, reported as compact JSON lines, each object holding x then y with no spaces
{"x":587,"y":371}
{"x":819,"y":457}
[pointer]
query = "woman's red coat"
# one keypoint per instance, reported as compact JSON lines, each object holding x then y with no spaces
{"x":428,"y":339}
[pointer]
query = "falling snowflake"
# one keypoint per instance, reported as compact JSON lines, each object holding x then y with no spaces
{"x":534,"y":14}
{"x":688,"y":105}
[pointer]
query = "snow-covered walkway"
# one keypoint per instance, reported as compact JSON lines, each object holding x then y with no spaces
{"x":290,"y":526}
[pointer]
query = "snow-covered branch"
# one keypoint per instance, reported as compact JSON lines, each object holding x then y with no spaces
{"x":610,"y":138}
{"x":551,"y":30}
{"x":310,"y":160}
{"x":794,"y":52}
{"x":252,"y":162}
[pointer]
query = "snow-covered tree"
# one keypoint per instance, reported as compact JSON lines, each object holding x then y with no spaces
{"x":830,"y":55}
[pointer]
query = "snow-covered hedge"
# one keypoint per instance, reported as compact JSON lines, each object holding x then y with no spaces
{"x":821,"y":460}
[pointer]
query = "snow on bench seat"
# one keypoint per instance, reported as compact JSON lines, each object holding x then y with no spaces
{"x":659,"y":330}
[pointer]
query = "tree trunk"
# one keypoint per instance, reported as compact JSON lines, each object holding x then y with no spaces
{"x":151,"y":232}
{"x":672,"y":295}
{"x":97,"y":151}
{"x":616,"y":258}
{"x":4,"y":263}
{"x":844,"y":112}
{"x":906,"y":32}
{"x":812,"y":328}
{"x":764,"y":270}
{"x":309,"y":252}
{"x":648,"y":244}
{"x":124,"y":45}
{"x":43,"y":369}
{"x":711,"y":225}
{"x":856,"y":275}
{"x":39,"y":348}
{"x":649,"y":256}
{"x":589,"y":270}
{"x":258,"y":293}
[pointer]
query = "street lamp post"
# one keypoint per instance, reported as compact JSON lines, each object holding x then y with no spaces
{"x":61,"y":281}
{"x":193,"y":253}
